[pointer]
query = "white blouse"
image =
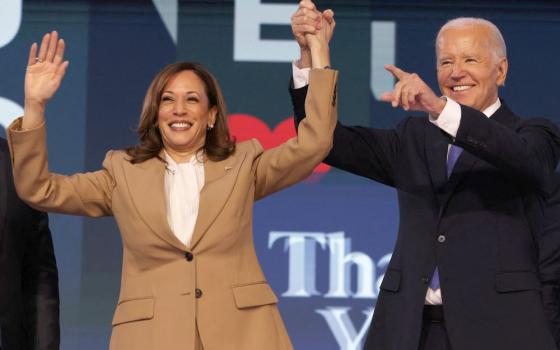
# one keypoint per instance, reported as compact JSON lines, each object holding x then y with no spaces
{"x":183,"y":182}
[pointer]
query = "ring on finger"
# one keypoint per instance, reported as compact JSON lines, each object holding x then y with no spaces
{"x":37,"y":59}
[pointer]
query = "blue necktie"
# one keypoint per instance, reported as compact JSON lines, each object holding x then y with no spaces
{"x":452,"y":156}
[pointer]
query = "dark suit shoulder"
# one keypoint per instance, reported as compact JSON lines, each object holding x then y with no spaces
{"x":540,"y":122}
{"x":5,"y":165}
{"x":3,"y":145}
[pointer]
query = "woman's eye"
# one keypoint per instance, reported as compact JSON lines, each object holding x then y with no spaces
{"x":192,"y":99}
{"x":166,"y":98}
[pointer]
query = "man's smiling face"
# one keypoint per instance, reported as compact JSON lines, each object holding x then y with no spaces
{"x":468,"y":69}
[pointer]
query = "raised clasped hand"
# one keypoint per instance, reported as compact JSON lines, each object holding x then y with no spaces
{"x":45,"y":69}
{"x":322,"y":36}
{"x":412,"y":93}
{"x":312,"y":29}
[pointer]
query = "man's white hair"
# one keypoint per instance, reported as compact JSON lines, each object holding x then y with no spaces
{"x":497,"y":42}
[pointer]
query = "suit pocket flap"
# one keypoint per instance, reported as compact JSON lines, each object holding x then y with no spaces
{"x":517,"y":281}
{"x":254,"y":294}
{"x":134,"y":310}
{"x":391,"y":281}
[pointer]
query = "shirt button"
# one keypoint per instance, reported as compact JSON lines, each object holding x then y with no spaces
{"x":198,"y":293}
{"x":189,"y":256}
{"x":441,"y":238}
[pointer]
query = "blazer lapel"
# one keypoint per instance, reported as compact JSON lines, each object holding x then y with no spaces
{"x":145,"y":182}
{"x":462,"y":168}
{"x":437,"y":143}
{"x":437,"y":146}
{"x":219,"y":180}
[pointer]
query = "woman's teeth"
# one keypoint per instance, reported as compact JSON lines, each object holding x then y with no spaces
{"x":180,"y":125}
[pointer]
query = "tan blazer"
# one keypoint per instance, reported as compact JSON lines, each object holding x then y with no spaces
{"x":168,"y":289}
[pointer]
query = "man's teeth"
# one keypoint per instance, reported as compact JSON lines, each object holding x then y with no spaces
{"x":461,"y":87}
{"x":181,"y":125}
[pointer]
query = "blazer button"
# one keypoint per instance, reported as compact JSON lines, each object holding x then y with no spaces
{"x":425,"y":280}
{"x":189,"y":256}
{"x":198,"y":293}
{"x":441,"y":238}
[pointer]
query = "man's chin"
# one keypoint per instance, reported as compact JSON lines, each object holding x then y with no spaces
{"x":463,"y":100}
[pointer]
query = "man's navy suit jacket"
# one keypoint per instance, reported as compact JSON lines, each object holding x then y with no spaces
{"x":478,"y":227}
{"x":29,"y":301}
{"x":549,"y":259}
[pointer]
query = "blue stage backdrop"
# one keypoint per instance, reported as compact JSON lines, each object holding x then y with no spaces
{"x":324,"y":244}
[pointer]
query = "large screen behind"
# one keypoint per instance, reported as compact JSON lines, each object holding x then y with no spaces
{"x":324,"y":244}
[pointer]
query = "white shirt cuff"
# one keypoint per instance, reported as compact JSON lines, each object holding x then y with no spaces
{"x":300,"y":75}
{"x":450,"y":118}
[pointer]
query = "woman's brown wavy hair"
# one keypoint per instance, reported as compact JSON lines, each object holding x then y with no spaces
{"x":218,"y":145}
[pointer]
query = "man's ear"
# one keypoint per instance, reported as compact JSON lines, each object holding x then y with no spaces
{"x":502,"y":71}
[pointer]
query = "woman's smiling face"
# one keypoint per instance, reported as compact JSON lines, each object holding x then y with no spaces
{"x":184,"y":115}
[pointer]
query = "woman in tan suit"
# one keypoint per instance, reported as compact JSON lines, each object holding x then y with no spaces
{"x":183,"y":200}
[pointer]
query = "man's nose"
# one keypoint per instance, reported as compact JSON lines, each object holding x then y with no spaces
{"x":457,"y":70}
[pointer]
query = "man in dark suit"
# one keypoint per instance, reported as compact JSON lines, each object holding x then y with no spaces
{"x":471,"y":179}
{"x":549,"y":259}
{"x":29,"y":302}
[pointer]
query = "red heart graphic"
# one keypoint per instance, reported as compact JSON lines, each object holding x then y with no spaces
{"x":245,"y":126}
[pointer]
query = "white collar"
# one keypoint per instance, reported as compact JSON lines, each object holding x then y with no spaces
{"x":172,"y":165}
{"x":492,"y":108}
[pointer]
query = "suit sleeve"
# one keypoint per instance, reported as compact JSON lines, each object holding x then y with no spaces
{"x":528,"y":153}
{"x":549,"y":260}
{"x":295,"y":159}
{"x":40,"y":286}
{"x":367,"y":152}
{"x":79,"y":194}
